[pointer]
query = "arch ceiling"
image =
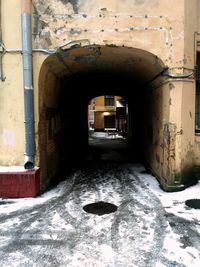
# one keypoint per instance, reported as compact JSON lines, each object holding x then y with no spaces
{"x":141,"y":65}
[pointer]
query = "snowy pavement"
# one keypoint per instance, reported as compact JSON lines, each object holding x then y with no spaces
{"x":151,"y":228}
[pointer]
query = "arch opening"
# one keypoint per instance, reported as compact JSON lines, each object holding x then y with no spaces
{"x":108,"y":128}
{"x":69,"y":80}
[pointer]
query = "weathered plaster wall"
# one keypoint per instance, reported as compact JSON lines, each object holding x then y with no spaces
{"x":197,"y":150}
{"x":157,"y":133}
{"x":197,"y":137}
{"x":150,"y":25}
{"x":128,"y":23}
{"x":113,"y":22}
{"x":50,"y":127}
{"x":11,"y":90}
{"x":187,"y":129}
{"x":38,"y":59}
{"x":198,"y":17}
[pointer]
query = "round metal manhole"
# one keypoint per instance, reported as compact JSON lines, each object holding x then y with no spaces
{"x":100,"y":208}
{"x":193,"y":203}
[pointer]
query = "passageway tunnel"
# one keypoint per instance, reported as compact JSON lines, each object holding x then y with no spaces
{"x":70,"y":79}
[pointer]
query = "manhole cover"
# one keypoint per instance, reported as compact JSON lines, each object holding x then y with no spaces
{"x":100,"y":208}
{"x":193,"y":203}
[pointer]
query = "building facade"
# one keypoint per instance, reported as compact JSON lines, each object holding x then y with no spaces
{"x":56,"y":50}
{"x":107,"y":113}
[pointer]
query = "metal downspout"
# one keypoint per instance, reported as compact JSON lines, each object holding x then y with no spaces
{"x":28,"y":84}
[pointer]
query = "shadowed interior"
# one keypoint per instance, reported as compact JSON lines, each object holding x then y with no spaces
{"x":71,"y":78}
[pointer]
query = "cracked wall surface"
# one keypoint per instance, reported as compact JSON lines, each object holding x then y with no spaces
{"x":130,"y":23}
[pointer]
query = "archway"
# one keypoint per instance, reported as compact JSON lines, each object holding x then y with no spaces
{"x":69,"y":79}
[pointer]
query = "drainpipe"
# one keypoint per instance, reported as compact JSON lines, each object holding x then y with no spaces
{"x":28,"y":84}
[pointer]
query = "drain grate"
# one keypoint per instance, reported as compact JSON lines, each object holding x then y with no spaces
{"x":193,"y":203}
{"x":100,"y":208}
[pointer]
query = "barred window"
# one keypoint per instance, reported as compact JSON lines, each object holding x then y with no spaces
{"x":109,"y":100}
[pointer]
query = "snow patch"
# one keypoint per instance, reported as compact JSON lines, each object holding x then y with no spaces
{"x":14,"y":169}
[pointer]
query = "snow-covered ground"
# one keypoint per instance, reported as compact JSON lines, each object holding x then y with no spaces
{"x":151,"y":228}
{"x":182,"y":242}
{"x":106,"y":135}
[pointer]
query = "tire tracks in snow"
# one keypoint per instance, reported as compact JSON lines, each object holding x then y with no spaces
{"x":133,"y":212}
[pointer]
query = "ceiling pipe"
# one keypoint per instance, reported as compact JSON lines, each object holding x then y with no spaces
{"x":28,"y":84}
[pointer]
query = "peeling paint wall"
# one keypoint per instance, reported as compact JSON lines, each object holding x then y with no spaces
{"x":115,"y":22}
{"x":159,"y":134}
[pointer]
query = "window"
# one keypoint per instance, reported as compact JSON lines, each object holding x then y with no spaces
{"x":109,"y":100}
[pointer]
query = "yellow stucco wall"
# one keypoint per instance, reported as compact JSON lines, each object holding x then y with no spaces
{"x":100,"y":108}
{"x":153,"y":26}
{"x":11,"y":90}
{"x":114,"y":22}
{"x":99,"y":102}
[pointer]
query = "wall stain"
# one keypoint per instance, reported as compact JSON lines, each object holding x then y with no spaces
{"x":185,"y":59}
{"x":95,"y":50}
{"x":36,"y":22}
{"x":74,"y":3}
{"x":157,"y":158}
{"x":169,"y":148}
{"x":85,"y":58}
{"x":171,"y":86}
{"x":43,"y":24}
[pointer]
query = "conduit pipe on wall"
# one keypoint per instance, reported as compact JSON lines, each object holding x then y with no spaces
{"x":62,"y":47}
{"x":179,"y":76}
{"x":28,"y":84}
{"x":165,"y":73}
